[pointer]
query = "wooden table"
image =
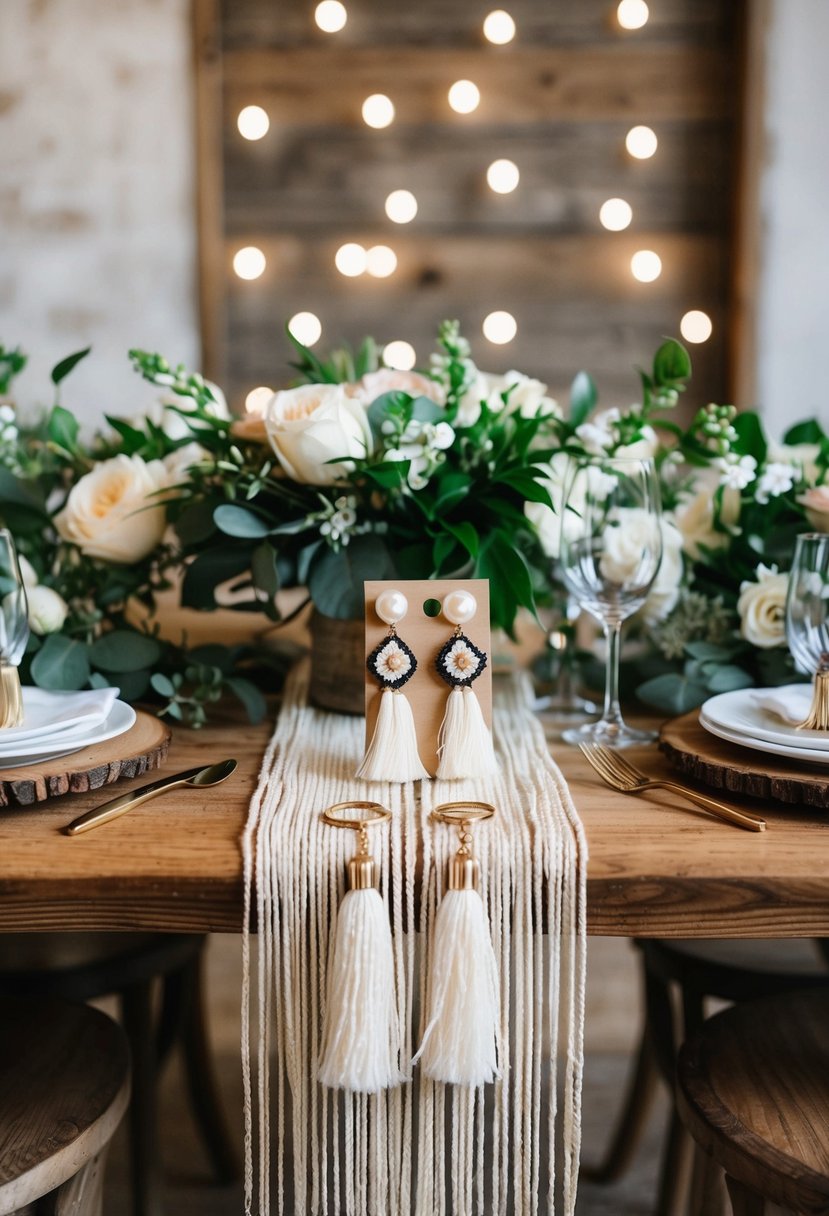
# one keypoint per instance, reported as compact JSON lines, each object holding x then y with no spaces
{"x":175,"y":864}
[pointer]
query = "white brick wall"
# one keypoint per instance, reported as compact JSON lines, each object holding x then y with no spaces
{"x":97,"y":218}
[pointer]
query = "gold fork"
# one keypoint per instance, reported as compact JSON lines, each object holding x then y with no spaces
{"x":623,"y":776}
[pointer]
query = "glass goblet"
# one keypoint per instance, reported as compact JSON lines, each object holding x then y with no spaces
{"x":611,"y":547}
{"x":14,"y":631}
{"x":807,"y":620}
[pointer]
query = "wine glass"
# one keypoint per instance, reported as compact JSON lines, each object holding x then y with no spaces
{"x":611,"y":547}
{"x":807,"y":602}
{"x":14,"y":631}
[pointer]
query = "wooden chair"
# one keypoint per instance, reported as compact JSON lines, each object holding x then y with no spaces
{"x":753,"y":1091}
{"x":86,"y":966}
{"x":695,"y":971}
{"x":64,"y":1087}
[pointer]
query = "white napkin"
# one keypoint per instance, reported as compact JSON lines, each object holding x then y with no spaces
{"x":47,"y":713}
{"x":790,"y":703}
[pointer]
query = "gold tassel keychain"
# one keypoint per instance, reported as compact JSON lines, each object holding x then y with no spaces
{"x":361,"y":1030}
{"x":460,"y":1042}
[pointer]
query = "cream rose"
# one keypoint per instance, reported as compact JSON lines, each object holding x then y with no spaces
{"x":311,"y":425}
{"x":762,"y":608}
{"x":47,"y":610}
{"x":643,"y":448}
{"x":664,"y":593}
{"x":695,"y":516}
{"x":529,"y":398}
{"x":388,"y":380}
{"x":112,"y":512}
{"x":179,"y":462}
{"x":816,"y":504}
{"x":630,"y":547}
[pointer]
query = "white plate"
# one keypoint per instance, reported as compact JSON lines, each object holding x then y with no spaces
{"x":47,"y":713}
{"x":121,"y":718}
{"x":739,"y":713}
{"x":806,"y":754}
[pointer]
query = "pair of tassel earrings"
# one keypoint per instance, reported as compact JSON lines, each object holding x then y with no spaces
{"x":464,"y":743}
{"x":361,"y":1032}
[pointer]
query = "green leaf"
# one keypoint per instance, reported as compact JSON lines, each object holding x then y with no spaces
{"x":751,"y":441}
{"x":424,"y":409}
{"x":61,"y":663}
{"x":238,"y":521}
{"x":132,"y":440}
{"x":132,"y":684}
{"x":208,"y":571}
{"x":61,"y":370}
{"x":250,"y":696}
{"x":805,"y":432}
{"x":671,"y":362}
{"x":265,"y":571}
{"x":583,"y":398}
{"x":162,"y":684}
{"x":390,"y":473}
{"x":526,"y":485}
{"x":195,"y":524}
{"x":124,"y":650}
{"x":466,"y":534}
{"x":672,"y":693}
{"x":705,"y":651}
{"x":453,"y":486}
{"x":336,"y":579}
{"x":729,"y":677}
{"x":510,"y":583}
{"x":63,"y":428}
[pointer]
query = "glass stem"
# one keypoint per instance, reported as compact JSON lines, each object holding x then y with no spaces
{"x":612,"y":712}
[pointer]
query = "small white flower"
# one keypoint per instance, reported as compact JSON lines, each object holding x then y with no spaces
{"x":7,"y":414}
{"x":776,"y":479}
{"x":412,"y":432}
{"x":736,"y":471}
{"x":392,"y":663}
{"x":441,"y":436}
{"x":47,"y":610}
{"x":344,"y":519}
{"x":27,"y":572}
{"x":461,"y":662}
{"x":599,"y":434}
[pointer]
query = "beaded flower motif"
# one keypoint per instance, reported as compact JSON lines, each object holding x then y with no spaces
{"x":459,"y":661}
{"x":392,"y":663}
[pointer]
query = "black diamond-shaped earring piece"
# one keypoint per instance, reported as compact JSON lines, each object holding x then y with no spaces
{"x":460,"y":661}
{"x":392,"y":663}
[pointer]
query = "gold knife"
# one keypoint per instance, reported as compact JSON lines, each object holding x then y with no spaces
{"x":210,"y":774}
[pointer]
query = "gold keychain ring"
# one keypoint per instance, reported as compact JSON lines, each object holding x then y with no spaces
{"x":462,"y":812}
{"x":377,"y":814}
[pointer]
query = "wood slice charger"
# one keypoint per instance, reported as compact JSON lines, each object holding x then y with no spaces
{"x":741,"y":770}
{"x":142,"y":747}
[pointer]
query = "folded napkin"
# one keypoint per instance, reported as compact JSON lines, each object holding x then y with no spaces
{"x":47,"y":713}
{"x":790,"y":703}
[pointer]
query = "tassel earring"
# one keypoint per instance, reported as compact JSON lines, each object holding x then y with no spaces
{"x":361,"y":1031}
{"x":459,"y":1045}
{"x":464,"y":742}
{"x":392,"y":754}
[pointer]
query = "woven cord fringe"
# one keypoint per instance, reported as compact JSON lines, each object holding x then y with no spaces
{"x":423,"y":1147}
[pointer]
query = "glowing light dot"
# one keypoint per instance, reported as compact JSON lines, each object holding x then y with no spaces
{"x":641,"y":142}
{"x":503,"y":176}
{"x":401,"y":206}
{"x":400,"y":356}
{"x":306,"y":328}
{"x":696,"y":326}
{"x":632,"y":14}
{"x":615,"y":214}
{"x":499,"y":27}
{"x":351,"y":260}
{"x":381,"y":261}
{"x":257,"y":400}
{"x":378,"y":111}
{"x":249,"y":263}
{"x":330,"y":16}
{"x":500,"y":328}
{"x":464,"y":97}
{"x":645,"y":265}
{"x":253,"y":122}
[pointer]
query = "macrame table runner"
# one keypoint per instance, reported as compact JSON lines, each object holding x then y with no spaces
{"x":510,"y":1148}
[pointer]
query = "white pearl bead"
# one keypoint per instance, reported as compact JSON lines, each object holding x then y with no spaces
{"x":391,"y":606}
{"x":459,"y":607}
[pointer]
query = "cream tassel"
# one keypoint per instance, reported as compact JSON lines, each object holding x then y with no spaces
{"x":459,"y":1045}
{"x":465,"y":742}
{"x":392,"y":754}
{"x":11,"y":696}
{"x":361,"y":1031}
{"x":818,"y":717}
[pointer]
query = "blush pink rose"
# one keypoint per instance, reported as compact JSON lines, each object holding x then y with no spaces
{"x":816,"y":504}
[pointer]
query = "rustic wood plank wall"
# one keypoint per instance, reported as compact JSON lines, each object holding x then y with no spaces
{"x":558,"y":101}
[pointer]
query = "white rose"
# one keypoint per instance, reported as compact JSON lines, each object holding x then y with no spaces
{"x":695,"y":516}
{"x":389,"y":380}
{"x":599,"y":433}
{"x":643,"y":448}
{"x":529,"y":398}
{"x":47,"y":610}
{"x":483,"y":387}
{"x":178,"y":463}
{"x":170,"y":420}
{"x":113,"y":512}
{"x":311,"y":425}
{"x":664,"y":593}
{"x":27,"y":572}
{"x":762,"y":608}
{"x":630,"y":546}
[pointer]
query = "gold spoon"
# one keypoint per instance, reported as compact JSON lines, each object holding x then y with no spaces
{"x":200,"y":778}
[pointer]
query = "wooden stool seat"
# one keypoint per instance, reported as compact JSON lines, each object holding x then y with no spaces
{"x":64,"y":1087}
{"x":753,"y":1090}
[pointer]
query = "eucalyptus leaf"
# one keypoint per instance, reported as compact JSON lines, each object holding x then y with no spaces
{"x":62,"y":663}
{"x":336,"y":579}
{"x":238,"y":521}
{"x":729,"y":677}
{"x":123,"y":650}
{"x":162,"y":684}
{"x":209,"y":570}
{"x":583,"y":398}
{"x":672,"y":693}
{"x":250,"y":696}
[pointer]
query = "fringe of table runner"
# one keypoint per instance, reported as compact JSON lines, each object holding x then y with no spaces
{"x":423,"y":1148}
